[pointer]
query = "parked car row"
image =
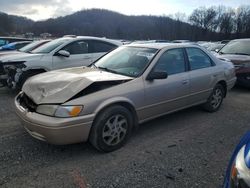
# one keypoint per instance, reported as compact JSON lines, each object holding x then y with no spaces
{"x":14,"y":46}
{"x":105,"y":88}
{"x":7,"y":40}
{"x":27,"y":48}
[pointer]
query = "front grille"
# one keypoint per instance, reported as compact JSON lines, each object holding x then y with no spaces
{"x":27,"y":103}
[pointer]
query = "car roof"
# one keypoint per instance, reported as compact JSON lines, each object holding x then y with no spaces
{"x":15,"y":38}
{"x":163,"y":45}
{"x":245,"y":39}
{"x":116,"y":42}
{"x":20,"y":42}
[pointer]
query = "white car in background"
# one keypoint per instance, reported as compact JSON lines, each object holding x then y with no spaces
{"x":58,"y":54}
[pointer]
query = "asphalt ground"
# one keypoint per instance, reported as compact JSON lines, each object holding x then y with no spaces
{"x":190,"y":148}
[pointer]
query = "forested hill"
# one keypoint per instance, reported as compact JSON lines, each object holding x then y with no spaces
{"x":104,"y":23}
{"x":12,"y":23}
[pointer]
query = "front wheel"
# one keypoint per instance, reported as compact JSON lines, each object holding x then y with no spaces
{"x":111,"y":129}
{"x":215,"y":99}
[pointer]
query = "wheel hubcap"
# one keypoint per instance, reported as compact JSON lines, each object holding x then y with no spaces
{"x":114,"y":130}
{"x":216,"y":98}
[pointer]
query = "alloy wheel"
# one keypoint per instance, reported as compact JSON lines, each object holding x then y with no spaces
{"x":216,"y":98}
{"x":114,"y":130}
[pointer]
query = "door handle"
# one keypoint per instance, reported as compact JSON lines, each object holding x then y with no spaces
{"x":184,"y":82}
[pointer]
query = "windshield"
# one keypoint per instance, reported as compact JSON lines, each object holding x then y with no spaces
{"x":50,"y":46}
{"x":236,"y":47}
{"x":31,"y":46}
{"x":129,"y":61}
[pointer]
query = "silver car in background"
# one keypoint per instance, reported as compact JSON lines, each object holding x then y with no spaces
{"x":103,"y":102}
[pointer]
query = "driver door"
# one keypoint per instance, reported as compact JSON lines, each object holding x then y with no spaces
{"x":166,"y":95}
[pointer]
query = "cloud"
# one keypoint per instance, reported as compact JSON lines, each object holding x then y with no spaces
{"x":36,"y":9}
{"x":43,"y":9}
{"x":30,"y":12}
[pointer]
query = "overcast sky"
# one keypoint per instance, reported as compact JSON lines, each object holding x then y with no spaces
{"x":43,"y":9}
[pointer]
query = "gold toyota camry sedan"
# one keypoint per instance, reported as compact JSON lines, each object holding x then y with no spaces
{"x":103,"y":102}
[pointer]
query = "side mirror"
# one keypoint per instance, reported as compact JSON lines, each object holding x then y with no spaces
{"x":216,"y":50}
{"x":157,"y":75}
{"x":63,"y":53}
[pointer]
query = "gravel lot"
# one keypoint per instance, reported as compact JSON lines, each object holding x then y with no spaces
{"x":190,"y":148}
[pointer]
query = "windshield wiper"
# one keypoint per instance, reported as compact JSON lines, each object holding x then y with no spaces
{"x":241,"y":54}
{"x":236,"y":53}
{"x":93,"y":65}
{"x":108,"y":70}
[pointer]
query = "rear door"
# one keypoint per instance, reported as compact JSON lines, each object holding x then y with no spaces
{"x":79,"y":56}
{"x":165,"y":95}
{"x":203,"y":75}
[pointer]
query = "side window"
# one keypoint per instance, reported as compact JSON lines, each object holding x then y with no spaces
{"x":99,"y":46}
{"x":78,"y":47}
{"x":198,"y":59}
{"x":20,"y":45}
{"x":171,"y":61}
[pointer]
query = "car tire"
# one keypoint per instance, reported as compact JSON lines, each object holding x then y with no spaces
{"x":215,"y":99}
{"x":111,"y":128}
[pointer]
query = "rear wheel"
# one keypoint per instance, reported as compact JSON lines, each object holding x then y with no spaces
{"x":111,"y":129}
{"x":215,"y":99}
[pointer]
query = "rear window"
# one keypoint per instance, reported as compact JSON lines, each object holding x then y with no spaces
{"x":198,"y":59}
{"x":99,"y":46}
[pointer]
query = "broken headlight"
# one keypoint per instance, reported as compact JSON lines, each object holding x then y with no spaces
{"x":59,"y":111}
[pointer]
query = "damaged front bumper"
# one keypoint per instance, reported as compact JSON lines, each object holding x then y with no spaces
{"x":10,"y":73}
{"x":59,"y":131}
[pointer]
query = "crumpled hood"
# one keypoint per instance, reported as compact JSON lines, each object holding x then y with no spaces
{"x":236,"y":59}
{"x":20,"y":57}
{"x":57,"y":87}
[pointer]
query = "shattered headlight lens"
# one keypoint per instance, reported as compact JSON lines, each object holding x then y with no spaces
{"x":59,"y":111}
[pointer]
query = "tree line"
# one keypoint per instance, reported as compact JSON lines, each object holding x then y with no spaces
{"x":228,"y":21}
{"x":214,"y":23}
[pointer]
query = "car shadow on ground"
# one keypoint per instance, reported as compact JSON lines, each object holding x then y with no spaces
{"x":241,"y":89}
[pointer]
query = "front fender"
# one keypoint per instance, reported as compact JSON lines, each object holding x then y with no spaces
{"x":112,"y":101}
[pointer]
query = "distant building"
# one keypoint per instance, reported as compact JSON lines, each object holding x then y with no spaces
{"x":45,"y":35}
{"x":29,"y":35}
